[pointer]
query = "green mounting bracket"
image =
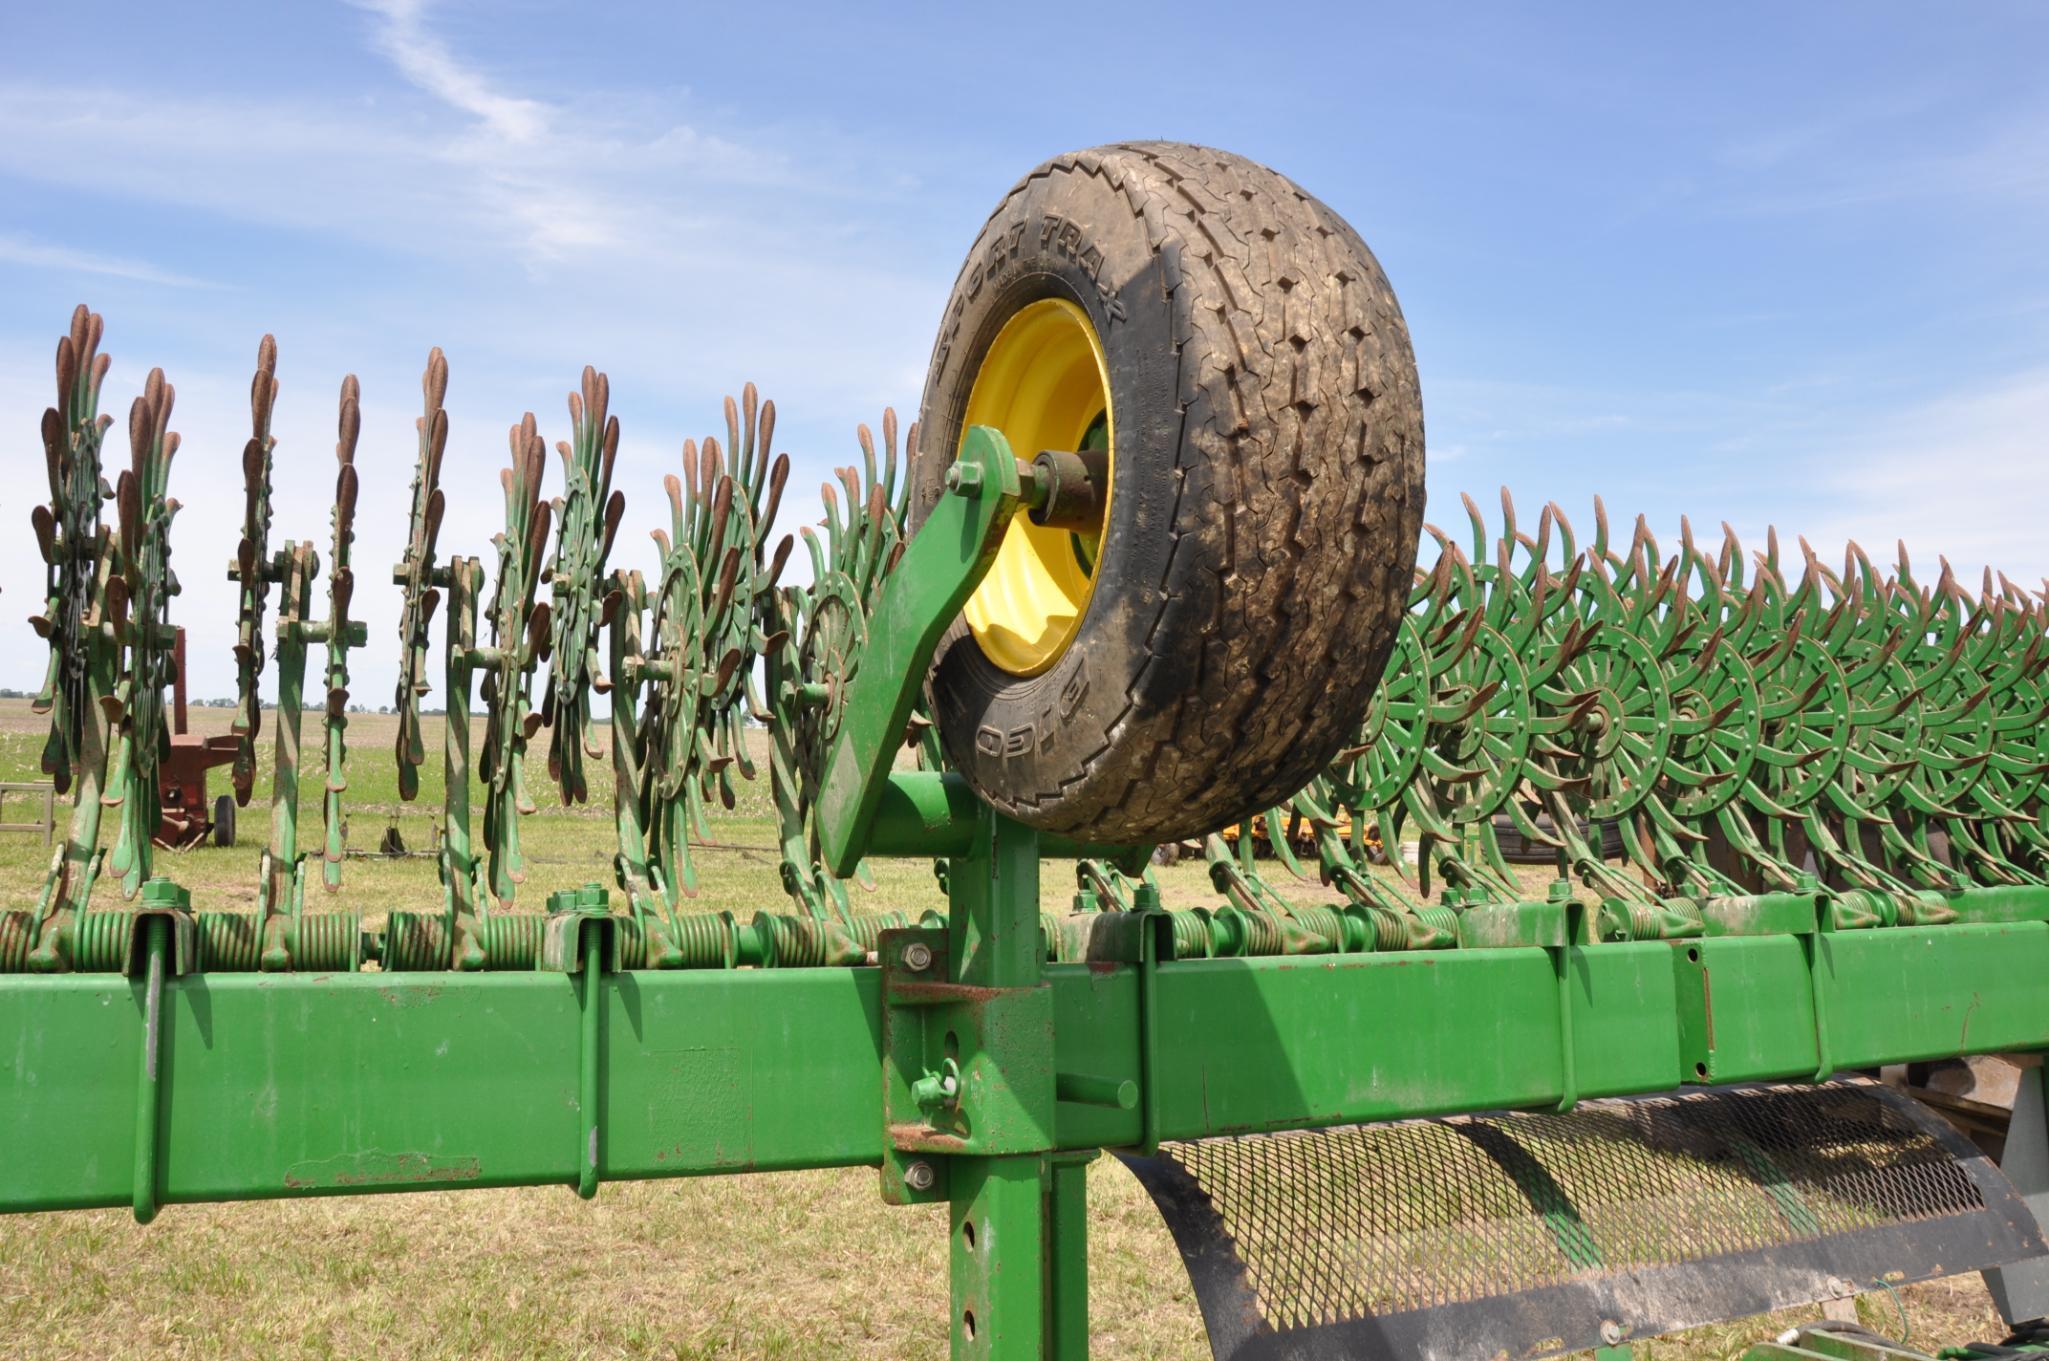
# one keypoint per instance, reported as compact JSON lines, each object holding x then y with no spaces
{"x":580,"y":921}
{"x":940,"y":569}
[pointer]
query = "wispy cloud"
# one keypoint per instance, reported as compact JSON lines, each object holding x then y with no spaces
{"x":1947,"y":477}
{"x":21,"y":250}
{"x":526,"y":232}
{"x":1882,"y":151}
{"x":425,"y":60}
{"x":474,"y":166}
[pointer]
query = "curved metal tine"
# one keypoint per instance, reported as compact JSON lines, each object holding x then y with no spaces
{"x":1478,"y":526}
{"x":686,"y":499}
{"x":870,"y":476}
{"x":1599,"y":549}
{"x":880,"y":533}
{"x":1987,"y":861}
{"x":1277,"y":838}
{"x":835,"y":549}
{"x":1526,"y":826}
{"x":708,"y":526}
{"x":1911,"y":855}
{"x":1743,"y":842}
{"x":1852,"y":865}
{"x":722,"y":561}
{"x":817,"y":552}
{"x":1507,"y":607}
{"x":1419,"y":803}
{"x":854,"y":547}
{"x":252,"y":568}
{"x":889,"y":459}
{"x":1770,"y":578}
{"x":778,"y":477}
{"x":1430,"y":592}
{"x":743,"y":460}
{"x":1549,"y":599}
{"x":1635,"y":588}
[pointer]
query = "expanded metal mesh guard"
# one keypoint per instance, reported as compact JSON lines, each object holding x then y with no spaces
{"x":1530,"y":1232}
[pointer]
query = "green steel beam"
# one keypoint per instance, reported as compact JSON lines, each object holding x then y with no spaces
{"x":290,"y":1084}
{"x":303,"y":1084}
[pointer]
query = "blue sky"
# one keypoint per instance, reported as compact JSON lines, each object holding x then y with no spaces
{"x":1760,"y":263}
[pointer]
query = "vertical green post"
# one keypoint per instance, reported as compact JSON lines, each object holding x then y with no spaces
{"x":458,"y":858}
{"x":149,"y":1099}
{"x":280,"y":888}
{"x":591,"y":1056}
{"x":1067,"y":1256}
{"x":1019,"y":1245}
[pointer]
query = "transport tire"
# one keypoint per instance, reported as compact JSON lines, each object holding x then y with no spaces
{"x":1237,"y":350}
{"x":224,"y":820}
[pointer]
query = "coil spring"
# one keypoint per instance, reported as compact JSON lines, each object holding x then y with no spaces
{"x":1443,"y":920}
{"x":869,"y":927}
{"x":1263,"y":934}
{"x":327,"y":941}
{"x":229,"y":942}
{"x":705,"y":938}
{"x":513,"y":940}
{"x":1192,"y":935}
{"x":99,"y":941}
{"x":17,"y":932}
{"x":232,"y":942}
{"x":804,"y":942}
{"x":419,"y":940}
{"x":1326,"y":923}
{"x":632,"y":938}
{"x":793,"y":942}
{"x":415,"y":940}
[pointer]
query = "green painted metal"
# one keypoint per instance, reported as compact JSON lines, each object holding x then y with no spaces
{"x":727,"y":1070}
{"x":1828,"y":795}
{"x":937,"y":574}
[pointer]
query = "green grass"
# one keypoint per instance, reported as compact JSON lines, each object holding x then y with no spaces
{"x":808,"y":1265}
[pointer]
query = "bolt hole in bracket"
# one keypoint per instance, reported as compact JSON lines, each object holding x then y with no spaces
{"x":944,"y":1092}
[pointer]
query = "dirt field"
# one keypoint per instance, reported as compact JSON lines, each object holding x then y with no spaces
{"x":803,"y":1265}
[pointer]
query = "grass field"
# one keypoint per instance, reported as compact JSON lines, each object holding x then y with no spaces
{"x":796,"y":1265}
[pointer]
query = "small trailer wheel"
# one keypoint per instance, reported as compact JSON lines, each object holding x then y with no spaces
{"x":1191,"y":643}
{"x":224,"y":820}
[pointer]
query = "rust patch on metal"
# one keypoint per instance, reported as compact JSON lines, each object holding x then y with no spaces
{"x":375,"y":1167}
{"x":934,"y":994}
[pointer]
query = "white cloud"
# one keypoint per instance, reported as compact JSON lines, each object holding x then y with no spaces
{"x":21,"y":250}
{"x":532,"y":235}
{"x":1965,"y":476}
{"x":426,"y":61}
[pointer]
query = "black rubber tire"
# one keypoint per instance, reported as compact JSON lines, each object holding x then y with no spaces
{"x":224,"y":820}
{"x":1268,"y":493}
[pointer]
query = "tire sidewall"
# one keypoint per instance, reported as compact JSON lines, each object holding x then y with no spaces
{"x":1062,"y":238}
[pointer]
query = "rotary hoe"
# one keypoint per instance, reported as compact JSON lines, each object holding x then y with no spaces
{"x":1146,"y":568}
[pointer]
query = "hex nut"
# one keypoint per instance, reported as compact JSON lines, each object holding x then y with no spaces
{"x":1611,"y":1332}
{"x":917,"y":956}
{"x":919,"y":1176}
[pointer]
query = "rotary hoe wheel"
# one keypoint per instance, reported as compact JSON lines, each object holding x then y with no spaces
{"x":1220,"y":357}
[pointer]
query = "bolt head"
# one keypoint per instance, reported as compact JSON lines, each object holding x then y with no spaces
{"x":919,"y":1176}
{"x":917,"y":957}
{"x":964,"y":479}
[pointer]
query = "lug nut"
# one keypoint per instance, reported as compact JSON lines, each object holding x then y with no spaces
{"x":919,"y":1176}
{"x":917,"y":956}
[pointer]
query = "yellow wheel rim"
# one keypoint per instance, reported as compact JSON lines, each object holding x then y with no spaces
{"x":1045,"y":385}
